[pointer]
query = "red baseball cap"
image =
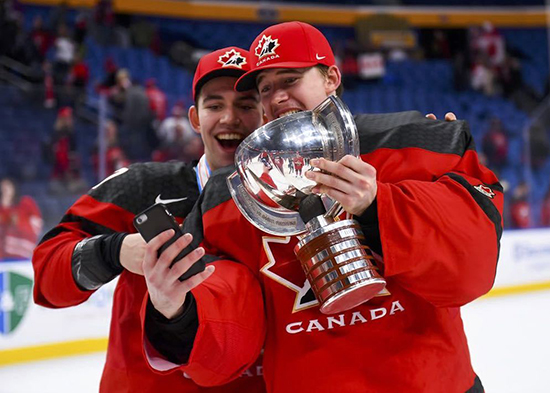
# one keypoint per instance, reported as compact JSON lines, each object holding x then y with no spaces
{"x":230,"y":61}
{"x":286,"y":45}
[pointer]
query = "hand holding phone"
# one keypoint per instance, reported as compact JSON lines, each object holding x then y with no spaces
{"x":157,"y":219}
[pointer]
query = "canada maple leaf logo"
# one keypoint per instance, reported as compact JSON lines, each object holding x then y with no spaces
{"x":487,"y":191}
{"x":232,"y":58}
{"x":266,"y":46}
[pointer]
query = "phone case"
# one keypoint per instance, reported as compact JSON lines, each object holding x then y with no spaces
{"x":156,"y":219}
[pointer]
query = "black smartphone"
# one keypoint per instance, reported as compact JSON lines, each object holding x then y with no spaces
{"x":156,"y":219}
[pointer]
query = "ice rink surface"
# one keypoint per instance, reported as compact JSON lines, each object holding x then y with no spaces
{"x":509,"y":341}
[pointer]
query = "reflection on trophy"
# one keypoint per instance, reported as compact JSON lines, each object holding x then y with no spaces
{"x":271,"y":191}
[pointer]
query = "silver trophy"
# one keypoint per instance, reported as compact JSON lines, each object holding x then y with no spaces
{"x":272,"y":192}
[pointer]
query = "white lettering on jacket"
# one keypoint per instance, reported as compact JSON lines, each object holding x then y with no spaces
{"x":328,"y":323}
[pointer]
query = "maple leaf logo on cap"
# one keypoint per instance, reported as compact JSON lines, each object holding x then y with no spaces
{"x":266,"y":46}
{"x":232,"y":58}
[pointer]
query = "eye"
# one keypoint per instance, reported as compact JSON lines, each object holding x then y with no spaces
{"x":291,"y":80}
{"x":214,"y":107}
{"x":264,"y":89}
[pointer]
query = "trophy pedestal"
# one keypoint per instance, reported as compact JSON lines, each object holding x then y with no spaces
{"x":339,"y":267}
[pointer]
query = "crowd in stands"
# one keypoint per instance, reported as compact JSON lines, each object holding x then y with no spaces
{"x":143,"y":125}
{"x":20,"y":222}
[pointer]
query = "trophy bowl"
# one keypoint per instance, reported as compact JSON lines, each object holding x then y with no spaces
{"x":272,"y":160}
{"x":270,"y":189}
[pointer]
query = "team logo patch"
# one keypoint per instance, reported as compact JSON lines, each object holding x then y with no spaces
{"x":15,"y":294}
{"x":485,"y":190}
{"x":232,"y":58}
{"x":266,"y":46}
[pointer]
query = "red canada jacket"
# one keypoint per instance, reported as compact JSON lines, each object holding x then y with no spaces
{"x":440,"y":223}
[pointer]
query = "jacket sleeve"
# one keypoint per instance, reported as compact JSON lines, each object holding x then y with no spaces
{"x":54,"y":257}
{"x":440,"y":218}
{"x":230,"y":306}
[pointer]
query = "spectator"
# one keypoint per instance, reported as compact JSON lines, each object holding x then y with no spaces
{"x":81,"y":28}
{"x":171,"y":128}
{"x":483,"y":76}
{"x":488,"y":50}
{"x":78,"y":80}
{"x":20,"y":222}
{"x":104,"y":20}
{"x":440,"y":48}
{"x":111,"y":70}
{"x":64,"y":55}
{"x":157,"y":99}
{"x":41,"y":37}
{"x":488,"y":42}
{"x":520,"y":209}
{"x":495,"y":146}
{"x":115,"y":156}
{"x":66,"y":161}
{"x":177,"y":140}
{"x":133,"y":109}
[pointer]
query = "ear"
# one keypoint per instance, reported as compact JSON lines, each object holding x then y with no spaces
{"x":193,"y":115}
{"x":333,"y":80}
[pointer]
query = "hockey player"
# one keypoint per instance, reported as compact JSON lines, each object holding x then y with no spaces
{"x":96,"y":241}
{"x":429,"y":210}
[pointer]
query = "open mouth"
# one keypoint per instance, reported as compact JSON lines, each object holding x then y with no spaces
{"x":229,"y":140}
{"x":288,"y":113}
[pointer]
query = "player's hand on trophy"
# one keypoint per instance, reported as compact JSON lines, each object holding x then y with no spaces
{"x":350,"y":181}
{"x":449,"y":116}
{"x":132,"y":252}
{"x":166,"y":292}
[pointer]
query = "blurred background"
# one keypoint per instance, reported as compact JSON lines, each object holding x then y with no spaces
{"x":90,"y":86}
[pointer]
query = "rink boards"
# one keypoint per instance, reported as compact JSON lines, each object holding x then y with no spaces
{"x":29,"y":332}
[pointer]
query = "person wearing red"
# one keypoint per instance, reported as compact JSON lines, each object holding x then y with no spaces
{"x":157,"y":99}
{"x":20,"y":222}
{"x":428,"y":209}
{"x":96,"y":240}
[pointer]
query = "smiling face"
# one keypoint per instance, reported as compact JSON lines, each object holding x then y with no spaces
{"x":289,"y":90}
{"x":224,"y":118}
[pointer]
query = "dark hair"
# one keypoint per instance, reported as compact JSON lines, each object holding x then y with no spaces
{"x":323,"y":69}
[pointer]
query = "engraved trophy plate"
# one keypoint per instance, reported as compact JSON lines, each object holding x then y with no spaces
{"x":269,"y":188}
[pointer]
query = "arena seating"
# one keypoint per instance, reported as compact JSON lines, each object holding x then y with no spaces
{"x":426,"y":86}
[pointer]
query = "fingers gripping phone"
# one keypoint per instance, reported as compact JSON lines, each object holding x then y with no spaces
{"x":156,"y":219}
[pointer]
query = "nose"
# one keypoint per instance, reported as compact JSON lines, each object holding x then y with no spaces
{"x":277,"y":99}
{"x":230,"y":116}
{"x":279,"y":96}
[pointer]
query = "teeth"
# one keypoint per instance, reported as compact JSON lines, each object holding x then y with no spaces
{"x":291,"y":112}
{"x":229,"y":137}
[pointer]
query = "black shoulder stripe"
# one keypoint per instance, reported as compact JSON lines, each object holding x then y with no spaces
{"x":86,"y":225}
{"x":484,"y":202}
{"x":216,"y":191}
{"x":52,"y":233}
{"x":432,"y":135}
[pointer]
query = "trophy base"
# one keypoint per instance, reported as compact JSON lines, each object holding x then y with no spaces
{"x":353,"y":296}
{"x":339,"y":266}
